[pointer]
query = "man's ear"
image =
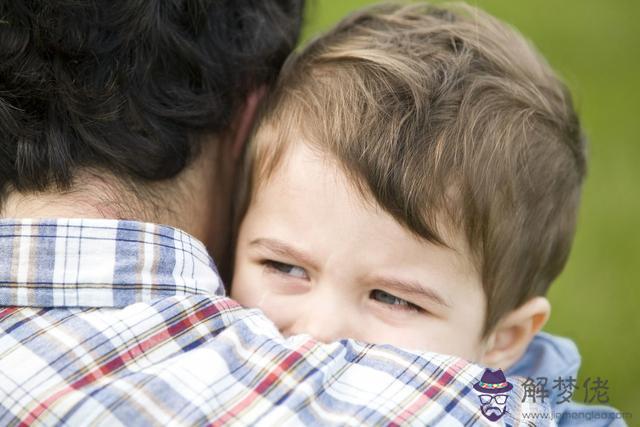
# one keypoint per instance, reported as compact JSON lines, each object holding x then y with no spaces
{"x":243,"y":121}
{"x":513,"y":333}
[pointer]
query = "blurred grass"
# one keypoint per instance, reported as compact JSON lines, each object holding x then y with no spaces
{"x":595,"y":46}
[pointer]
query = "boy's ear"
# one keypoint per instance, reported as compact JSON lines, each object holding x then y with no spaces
{"x":513,"y":333}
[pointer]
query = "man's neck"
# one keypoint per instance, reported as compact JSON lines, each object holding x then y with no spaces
{"x":58,"y":205}
{"x":197,"y":201}
{"x":92,"y":196}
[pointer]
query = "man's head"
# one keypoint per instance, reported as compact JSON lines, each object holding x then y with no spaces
{"x":451,"y":125}
{"x":129,"y":94}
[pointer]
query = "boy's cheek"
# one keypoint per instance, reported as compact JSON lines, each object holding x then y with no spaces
{"x":248,"y":288}
{"x":245,"y":284}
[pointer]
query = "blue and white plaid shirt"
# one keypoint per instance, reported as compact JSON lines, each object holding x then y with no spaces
{"x":107,"y":322}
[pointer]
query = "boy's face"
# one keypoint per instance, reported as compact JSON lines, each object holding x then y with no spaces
{"x":318,"y":259}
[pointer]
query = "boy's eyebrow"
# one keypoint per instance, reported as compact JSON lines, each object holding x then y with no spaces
{"x":411,"y":287}
{"x":284,"y":249}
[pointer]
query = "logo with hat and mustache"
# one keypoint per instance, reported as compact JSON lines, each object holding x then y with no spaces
{"x":492,"y":389}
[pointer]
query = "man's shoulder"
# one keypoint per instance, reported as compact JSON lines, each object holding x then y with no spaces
{"x":197,"y":359}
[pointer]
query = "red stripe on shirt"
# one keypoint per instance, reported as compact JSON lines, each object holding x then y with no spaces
{"x":429,"y":393}
{"x":7,"y":311}
{"x":265,"y":384}
{"x":123,"y":358}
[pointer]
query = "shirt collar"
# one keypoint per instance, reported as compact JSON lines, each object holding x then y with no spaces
{"x":99,"y":263}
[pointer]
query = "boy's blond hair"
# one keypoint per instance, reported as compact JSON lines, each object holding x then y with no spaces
{"x":449,"y":120}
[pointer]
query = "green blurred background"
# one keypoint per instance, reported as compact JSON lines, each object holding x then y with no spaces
{"x":595,"y":47}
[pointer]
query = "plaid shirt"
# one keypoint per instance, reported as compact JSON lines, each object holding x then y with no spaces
{"x":107,"y":322}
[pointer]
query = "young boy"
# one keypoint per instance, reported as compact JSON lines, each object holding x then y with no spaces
{"x":414,"y":180}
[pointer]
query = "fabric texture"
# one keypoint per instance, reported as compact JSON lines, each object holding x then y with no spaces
{"x":110,"y":322}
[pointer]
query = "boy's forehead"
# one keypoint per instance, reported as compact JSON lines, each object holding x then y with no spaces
{"x":280,"y":148}
{"x":309,"y":197}
{"x":291,"y":148}
{"x":270,"y":144}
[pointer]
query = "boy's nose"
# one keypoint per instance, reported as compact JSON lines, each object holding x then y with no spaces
{"x":322,"y":322}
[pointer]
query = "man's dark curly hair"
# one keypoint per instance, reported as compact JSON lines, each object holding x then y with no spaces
{"x":128,"y":85}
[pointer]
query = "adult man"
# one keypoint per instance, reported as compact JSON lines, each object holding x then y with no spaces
{"x":117,"y":116}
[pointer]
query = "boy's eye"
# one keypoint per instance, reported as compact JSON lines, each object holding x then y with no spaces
{"x":391,"y":300}
{"x":288,"y":269}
